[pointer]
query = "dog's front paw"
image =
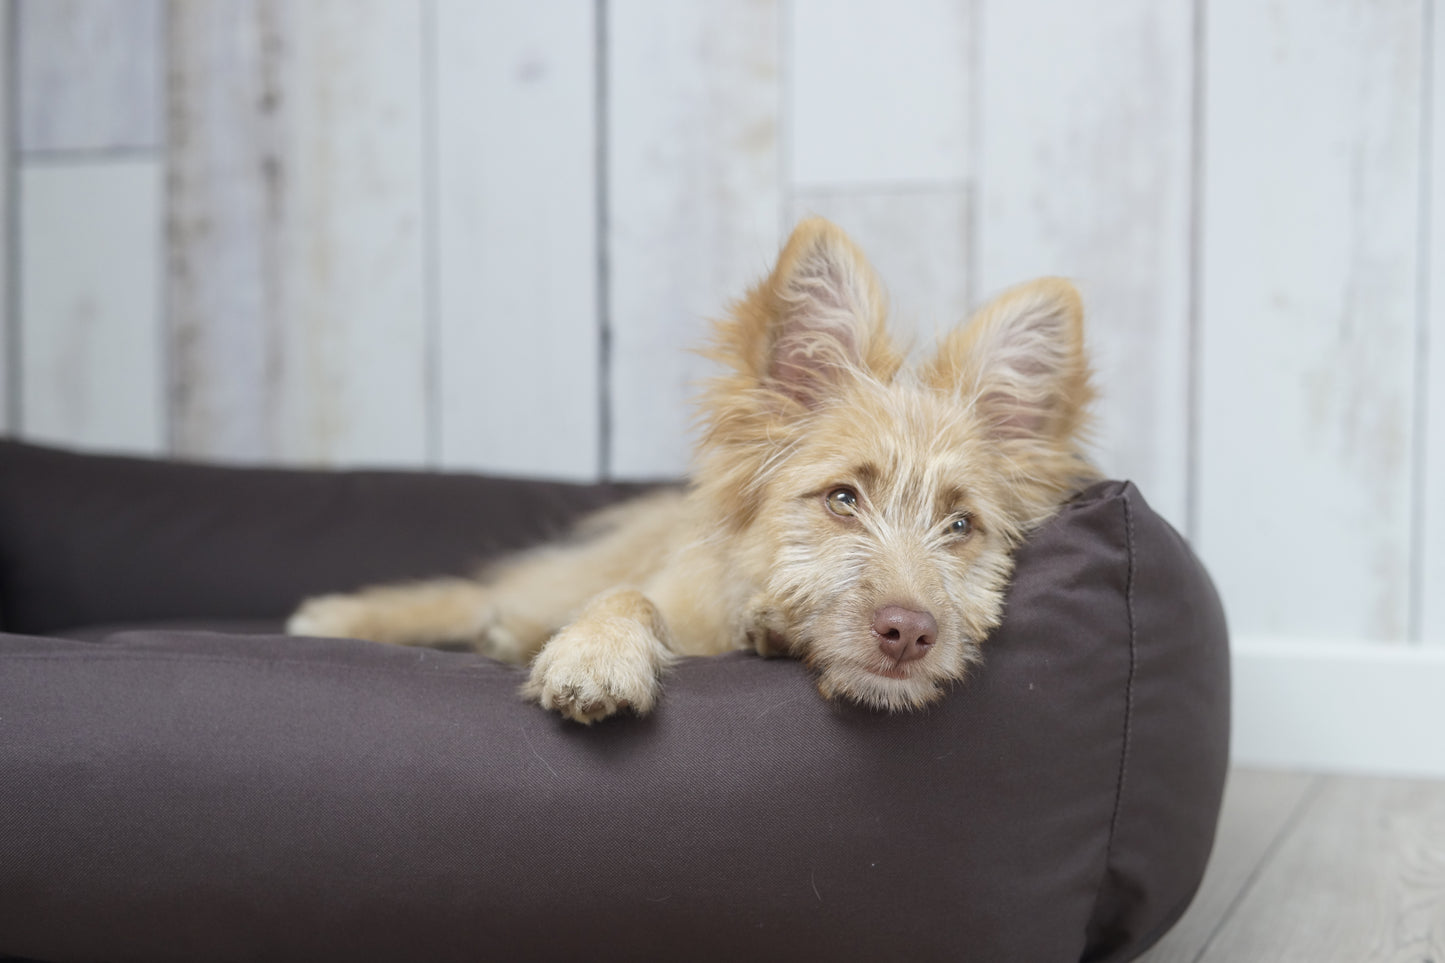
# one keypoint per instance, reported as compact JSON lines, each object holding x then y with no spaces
{"x":330,"y":617}
{"x":591,"y":671}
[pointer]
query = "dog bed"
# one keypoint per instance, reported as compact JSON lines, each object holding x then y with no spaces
{"x":178,"y":781}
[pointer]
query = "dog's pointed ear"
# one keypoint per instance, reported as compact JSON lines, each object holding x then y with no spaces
{"x":1021,"y":363}
{"x":814,"y":323}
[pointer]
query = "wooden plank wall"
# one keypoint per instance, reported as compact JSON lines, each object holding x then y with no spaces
{"x":516,"y":239}
{"x":693,"y":202}
{"x":896,"y":179}
{"x":7,"y":193}
{"x":88,"y":330}
{"x":1307,"y":350}
{"x":480,"y":235}
{"x":1095,"y":184}
{"x":1428,"y":589}
{"x":296,"y":274}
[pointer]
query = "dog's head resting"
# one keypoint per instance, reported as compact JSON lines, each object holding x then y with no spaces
{"x":874,"y":507}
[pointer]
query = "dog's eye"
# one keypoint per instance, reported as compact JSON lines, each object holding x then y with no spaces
{"x":842,"y":501}
{"x":960,"y":526}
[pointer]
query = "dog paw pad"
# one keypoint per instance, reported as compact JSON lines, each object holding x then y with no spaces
{"x":588,"y":693}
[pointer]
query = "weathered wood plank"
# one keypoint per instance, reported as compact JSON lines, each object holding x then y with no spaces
{"x":1361,"y":877}
{"x":516,"y":207}
{"x":1084,"y":170}
{"x":904,"y":117}
{"x":917,"y":240}
{"x":7,"y":211}
{"x":226,"y":194}
{"x":694,"y":202}
{"x":1258,"y":810}
{"x":90,"y":307}
{"x":296,"y":209}
{"x":1430,"y":589}
{"x":89,"y":74}
{"x":1308,"y":313}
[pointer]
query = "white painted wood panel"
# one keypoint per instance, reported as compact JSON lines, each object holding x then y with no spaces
{"x":517,"y":255}
{"x":918,"y":242}
{"x":694,"y":203}
{"x":1430,"y":597}
{"x":1308,"y":314}
{"x":90,"y":74}
{"x":879,"y":91}
{"x":7,"y":213}
{"x":297,"y":278}
{"x":226,"y":195}
{"x":90,"y":311}
{"x":1084,"y":170}
{"x":354,"y":383}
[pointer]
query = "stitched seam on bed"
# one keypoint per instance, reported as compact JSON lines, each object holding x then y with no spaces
{"x":181,"y":658}
{"x":1128,"y":708}
{"x":187,"y":659}
{"x":1129,"y":685}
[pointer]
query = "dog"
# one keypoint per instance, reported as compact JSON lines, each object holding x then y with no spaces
{"x":845,"y":509}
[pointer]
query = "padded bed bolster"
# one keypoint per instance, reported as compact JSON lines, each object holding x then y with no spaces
{"x":95,"y":539}
{"x":184,"y":795}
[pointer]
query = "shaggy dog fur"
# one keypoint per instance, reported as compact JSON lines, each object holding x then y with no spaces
{"x":845,"y":509}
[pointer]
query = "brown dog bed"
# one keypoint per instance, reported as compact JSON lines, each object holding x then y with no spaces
{"x":190,"y":789}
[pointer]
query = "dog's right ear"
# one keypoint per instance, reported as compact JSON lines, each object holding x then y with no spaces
{"x":815,"y":323}
{"x":807,"y":333}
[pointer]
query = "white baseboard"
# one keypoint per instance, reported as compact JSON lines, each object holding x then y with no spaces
{"x":1366,"y":708}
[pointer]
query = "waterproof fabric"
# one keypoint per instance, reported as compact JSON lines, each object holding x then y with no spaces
{"x":177,"y":794}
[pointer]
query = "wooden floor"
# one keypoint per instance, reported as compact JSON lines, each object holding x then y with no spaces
{"x":1325,"y":869}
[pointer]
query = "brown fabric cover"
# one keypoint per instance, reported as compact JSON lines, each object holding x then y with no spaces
{"x":87,"y":539}
{"x":190,"y":795}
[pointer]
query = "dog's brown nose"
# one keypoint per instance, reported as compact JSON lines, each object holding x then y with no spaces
{"x":904,"y":634}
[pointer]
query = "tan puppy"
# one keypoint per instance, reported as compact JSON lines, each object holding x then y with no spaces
{"x":845,"y":510}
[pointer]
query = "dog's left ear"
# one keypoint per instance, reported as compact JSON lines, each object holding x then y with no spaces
{"x":1021,"y":363}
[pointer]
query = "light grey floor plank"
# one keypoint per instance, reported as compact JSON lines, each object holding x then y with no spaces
{"x":1358,"y":877}
{"x":1259,"y":807}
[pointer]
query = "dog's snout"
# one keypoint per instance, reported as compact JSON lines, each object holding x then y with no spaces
{"x":904,"y":634}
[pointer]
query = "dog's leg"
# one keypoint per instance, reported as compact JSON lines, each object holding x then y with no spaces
{"x":418,"y":613}
{"x":606,"y":661}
